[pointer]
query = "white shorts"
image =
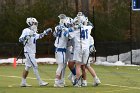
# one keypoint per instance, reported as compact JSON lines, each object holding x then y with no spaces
{"x":30,"y":60}
{"x":81,"y":55}
{"x":60,"y":57}
{"x":69,"y":54}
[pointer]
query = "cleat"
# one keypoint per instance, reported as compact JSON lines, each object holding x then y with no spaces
{"x":62,"y":82}
{"x":96,"y":82}
{"x":25,"y":85}
{"x":84,"y":83}
{"x":59,"y":85}
{"x":43,"y":83}
{"x":77,"y":85}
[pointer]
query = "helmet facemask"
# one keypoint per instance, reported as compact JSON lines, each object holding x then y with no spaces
{"x":33,"y":23}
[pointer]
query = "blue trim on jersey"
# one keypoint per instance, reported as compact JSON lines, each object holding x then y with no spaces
{"x":21,"y":39}
{"x":90,"y":46}
{"x":70,"y":30}
{"x":86,"y":33}
{"x":63,"y":57}
{"x":66,"y":33}
{"x":60,"y":49}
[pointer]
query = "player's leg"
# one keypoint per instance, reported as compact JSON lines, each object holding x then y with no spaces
{"x":71,"y":63}
{"x":78,"y":59}
{"x":60,"y":59}
{"x":25,"y":72}
{"x":33,"y":62}
{"x":93,"y":73}
{"x":91,"y":70}
{"x":84,"y":81}
{"x":83,"y":67}
{"x":58,"y":81}
{"x":63,"y":72}
{"x":78,"y":79}
{"x":72,"y":67}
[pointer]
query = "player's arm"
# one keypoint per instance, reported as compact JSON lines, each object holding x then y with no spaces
{"x":45,"y":32}
{"x":69,"y":32}
{"x":57,"y":29}
{"x":24,"y":36}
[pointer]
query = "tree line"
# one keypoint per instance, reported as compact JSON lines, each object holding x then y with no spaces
{"x":110,"y":17}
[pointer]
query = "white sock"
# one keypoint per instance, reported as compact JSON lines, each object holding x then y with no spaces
{"x":95,"y":77}
{"x":84,"y":81}
{"x":57,"y":81}
{"x":23,"y":80}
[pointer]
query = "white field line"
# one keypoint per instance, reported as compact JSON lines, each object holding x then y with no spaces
{"x":88,"y":82}
{"x":121,"y":86}
{"x":21,"y":77}
{"x":116,"y":90}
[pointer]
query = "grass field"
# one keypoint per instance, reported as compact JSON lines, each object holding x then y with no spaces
{"x":114,"y":80}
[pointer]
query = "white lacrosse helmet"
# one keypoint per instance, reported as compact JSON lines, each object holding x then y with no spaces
{"x":31,"y":21}
{"x":69,"y":21}
{"x":79,"y":18}
{"x":62,"y":18}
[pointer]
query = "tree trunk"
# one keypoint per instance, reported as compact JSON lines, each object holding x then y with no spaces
{"x":76,"y":6}
{"x":85,"y":7}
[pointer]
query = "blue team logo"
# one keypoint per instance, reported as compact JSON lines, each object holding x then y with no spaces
{"x":135,"y":5}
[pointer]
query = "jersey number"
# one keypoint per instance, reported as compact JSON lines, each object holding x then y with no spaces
{"x":84,"y":34}
{"x":34,"y":41}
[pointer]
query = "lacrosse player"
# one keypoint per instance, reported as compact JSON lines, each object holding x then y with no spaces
{"x":78,"y":56}
{"x":69,"y":49}
{"x":28,"y":38}
{"x":62,"y":35}
{"x":87,"y":28}
{"x":81,"y":48}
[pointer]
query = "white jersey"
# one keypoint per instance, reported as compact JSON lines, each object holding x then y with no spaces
{"x":30,"y":44}
{"x":61,"y":37}
{"x":82,"y":36}
{"x":91,"y":40}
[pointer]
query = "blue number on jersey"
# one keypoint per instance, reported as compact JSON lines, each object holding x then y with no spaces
{"x":84,"y":34}
{"x":34,"y":41}
{"x":58,"y":34}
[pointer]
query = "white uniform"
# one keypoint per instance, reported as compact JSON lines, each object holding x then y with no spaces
{"x":70,"y":50}
{"x":91,"y":40}
{"x":29,"y":46}
{"x":81,"y":47}
{"x":60,"y":43}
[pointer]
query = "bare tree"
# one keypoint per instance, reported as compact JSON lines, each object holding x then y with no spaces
{"x":85,"y":7}
{"x":76,"y":5}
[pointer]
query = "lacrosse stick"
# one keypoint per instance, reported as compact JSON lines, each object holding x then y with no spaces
{"x":22,"y":48}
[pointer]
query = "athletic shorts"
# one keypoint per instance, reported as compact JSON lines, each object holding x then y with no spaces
{"x":30,"y":60}
{"x":81,"y":55}
{"x":69,"y":54}
{"x":60,"y":57}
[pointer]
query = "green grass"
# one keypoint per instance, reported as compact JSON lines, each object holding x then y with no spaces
{"x":121,"y":80}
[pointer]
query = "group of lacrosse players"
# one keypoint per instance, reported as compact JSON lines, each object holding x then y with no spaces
{"x":73,"y":45}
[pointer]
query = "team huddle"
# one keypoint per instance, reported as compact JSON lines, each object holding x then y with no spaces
{"x":73,"y":44}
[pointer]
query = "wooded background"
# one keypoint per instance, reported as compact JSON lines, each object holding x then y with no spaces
{"x":114,"y":20}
